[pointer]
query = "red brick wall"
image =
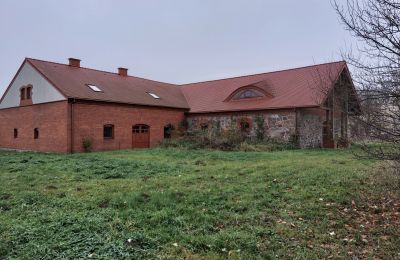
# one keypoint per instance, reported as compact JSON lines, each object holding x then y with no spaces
{"x":90,"y":117}
{"x":50,"y":118}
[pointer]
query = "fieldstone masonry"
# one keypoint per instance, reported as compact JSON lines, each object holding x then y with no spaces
{"x":310,"y":130}
{"x":279,"y":124}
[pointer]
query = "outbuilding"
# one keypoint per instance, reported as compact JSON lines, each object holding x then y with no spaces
{"x":55,"y":107}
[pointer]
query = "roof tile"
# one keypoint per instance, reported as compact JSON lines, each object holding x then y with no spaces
{"x":300,"y":87}
{"x":72,"y":82}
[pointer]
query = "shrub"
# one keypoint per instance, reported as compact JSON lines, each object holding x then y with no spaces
{"x":246,"y":147}
{"x":343,"y":142}
{"x":231,"y":139}
{"x":184,"y":124}
{"x":168,"y":129}
{"x":87,"y":144}
{"x":260,"y":127}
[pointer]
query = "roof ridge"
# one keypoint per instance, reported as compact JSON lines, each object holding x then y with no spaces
{"x":103,"y":71}
{"x":198,"y":82}
{"x":257,"y":74}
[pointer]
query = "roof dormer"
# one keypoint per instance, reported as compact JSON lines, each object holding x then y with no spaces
{"x":257,"y":90}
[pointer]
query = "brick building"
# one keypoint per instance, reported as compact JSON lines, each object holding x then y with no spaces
{"x":54,"y":107}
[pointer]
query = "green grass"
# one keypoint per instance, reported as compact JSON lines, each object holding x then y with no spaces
{"x":174,"y":203}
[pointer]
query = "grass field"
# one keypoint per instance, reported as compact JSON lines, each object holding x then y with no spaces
{"x":167,"y":203}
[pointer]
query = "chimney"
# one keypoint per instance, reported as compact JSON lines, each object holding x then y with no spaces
{"x":74,"y":62}
{"x":123,"y":72}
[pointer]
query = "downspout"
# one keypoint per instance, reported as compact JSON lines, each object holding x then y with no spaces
{"x":333,"y":113}
{"x":296,"y":127}
{"x":72,"y":126}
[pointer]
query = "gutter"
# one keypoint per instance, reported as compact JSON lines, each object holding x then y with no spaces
{"x":296,"y":124}
{"x":251,"y":110}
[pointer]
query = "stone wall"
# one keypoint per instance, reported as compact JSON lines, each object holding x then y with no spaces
{"x":279,"y":124}
{"x":357,"y":130}
{"x":310,"y":123}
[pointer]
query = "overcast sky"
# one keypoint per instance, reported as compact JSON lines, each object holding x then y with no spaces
{"x":176,"y":41}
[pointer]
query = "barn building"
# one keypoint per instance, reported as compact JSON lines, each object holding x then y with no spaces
{"x":55,"y":107}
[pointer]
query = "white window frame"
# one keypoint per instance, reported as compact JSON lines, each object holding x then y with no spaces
{"x":153,"y":95}
{"x":94,"y":88}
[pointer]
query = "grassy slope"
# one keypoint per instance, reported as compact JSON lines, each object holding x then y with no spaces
{"x":210,"y":203}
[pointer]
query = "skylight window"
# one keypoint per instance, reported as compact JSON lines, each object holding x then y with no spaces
{"x":153,"y":95}
{"x":94,"y":88}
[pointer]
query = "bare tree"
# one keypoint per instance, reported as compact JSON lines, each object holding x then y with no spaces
{"x":376,"y":26}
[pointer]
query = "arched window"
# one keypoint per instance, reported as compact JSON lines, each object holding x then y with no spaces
{"x":245,"y":125}
{"x":36,"y":133}
{"x":28,"y":92}
{"x":15,"y":133}
{"x":108,"y":131}
{"x":22,"y":93}
{"x":204,"y":126}
{"x":168,"y":131}
{"x":248,"y":92}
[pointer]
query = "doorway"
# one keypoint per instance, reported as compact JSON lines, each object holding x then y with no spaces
{"x":140,"y":136}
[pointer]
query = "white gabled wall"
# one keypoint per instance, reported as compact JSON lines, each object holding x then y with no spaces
{"x":42,"y":91}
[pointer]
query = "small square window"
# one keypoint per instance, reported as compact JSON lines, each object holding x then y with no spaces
{"x":153,"y":95}
{"x":15,"y":133}
{"x":108,"y":132}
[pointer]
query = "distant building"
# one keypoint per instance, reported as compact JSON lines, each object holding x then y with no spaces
{"x":53,"y":107}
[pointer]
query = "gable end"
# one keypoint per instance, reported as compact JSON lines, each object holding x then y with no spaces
{"x":42,"y":90}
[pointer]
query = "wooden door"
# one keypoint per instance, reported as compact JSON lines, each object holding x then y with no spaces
{"x":140,"y":136}
{"x":327,"y":136}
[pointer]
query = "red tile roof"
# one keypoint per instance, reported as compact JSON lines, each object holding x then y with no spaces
{"x":72,"y":82}
{"x":300,"y":87}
